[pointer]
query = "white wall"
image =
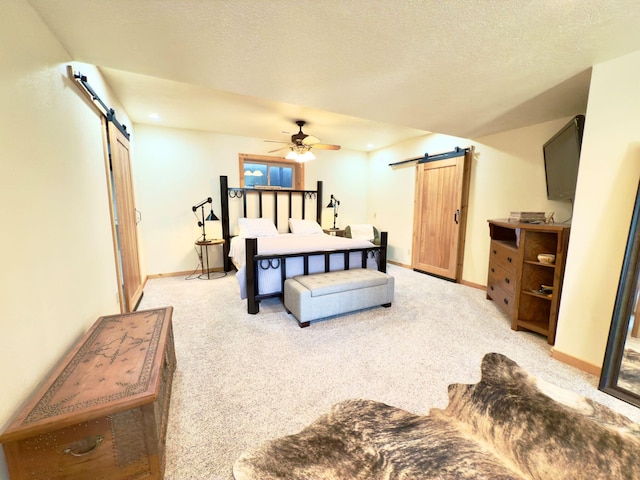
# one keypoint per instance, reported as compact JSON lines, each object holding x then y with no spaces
{"x":344,"y":174}
{"x":176,"y":169}
{"x":509,"y":176}
{"x":507,"y":173}
{"x":58,"y":271}
{"x":607,"y":185}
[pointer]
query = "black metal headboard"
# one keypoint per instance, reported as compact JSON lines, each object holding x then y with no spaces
{"x":286,"y":196}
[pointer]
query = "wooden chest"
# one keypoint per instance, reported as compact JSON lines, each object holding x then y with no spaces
{"x":102,"y":414}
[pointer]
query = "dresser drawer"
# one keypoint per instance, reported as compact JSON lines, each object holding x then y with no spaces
{"x":502,"y":278}
{"x":504,"y":256}
{"x":505,"y":301}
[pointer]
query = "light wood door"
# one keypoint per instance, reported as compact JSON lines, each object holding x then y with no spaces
{"x":124,"y":220}
{"x":441,"y":196}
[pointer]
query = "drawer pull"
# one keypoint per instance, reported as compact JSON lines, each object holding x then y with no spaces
{"x":491,"y":287}
{"x":509,"y":259}
{"x":506,"y":302}
{"x":84,"y":446}
{"x":495,"y":252}
{"x":493,"y":270}
{"x":507,"y":281}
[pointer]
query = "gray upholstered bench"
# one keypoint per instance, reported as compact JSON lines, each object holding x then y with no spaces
{"x":310,"y":297}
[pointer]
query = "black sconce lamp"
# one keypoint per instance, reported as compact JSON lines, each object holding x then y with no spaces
{"x":334,"y":203}
{"x":210,"y":217}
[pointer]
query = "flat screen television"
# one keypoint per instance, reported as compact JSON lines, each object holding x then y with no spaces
{"x":562,"y":158}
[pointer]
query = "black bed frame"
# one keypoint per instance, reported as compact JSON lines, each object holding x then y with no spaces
{"x":255,"y":261}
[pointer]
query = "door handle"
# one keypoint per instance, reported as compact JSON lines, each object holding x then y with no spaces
{"x":456,"y":216}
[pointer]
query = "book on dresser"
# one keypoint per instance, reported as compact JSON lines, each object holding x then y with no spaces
{"x":103,"y":411}
{"x":527,"y":217}
{"x":525,"y":288}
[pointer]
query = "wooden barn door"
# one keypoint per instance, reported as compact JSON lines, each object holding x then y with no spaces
{"x":441,"y":196}
{"x":124,"y":220}
{"x":115,"y":141}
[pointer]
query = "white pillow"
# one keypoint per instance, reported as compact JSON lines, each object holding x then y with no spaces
{"x":362,"y":231}
{"x":304,"y":227}
{"x":257,"y":227}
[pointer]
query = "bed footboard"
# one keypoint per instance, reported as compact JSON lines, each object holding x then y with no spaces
{"x":255,"y":262}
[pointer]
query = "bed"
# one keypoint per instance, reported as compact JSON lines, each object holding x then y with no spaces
{"x":273,"y":234}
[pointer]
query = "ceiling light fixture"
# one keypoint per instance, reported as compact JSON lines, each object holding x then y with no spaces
{"x":300,"y":153}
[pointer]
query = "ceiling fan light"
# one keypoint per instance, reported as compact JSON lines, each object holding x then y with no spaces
{"x":292,"y":155}
{"x":304,"y":157}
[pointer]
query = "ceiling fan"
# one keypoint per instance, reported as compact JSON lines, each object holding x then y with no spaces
{"x":301,"y":144}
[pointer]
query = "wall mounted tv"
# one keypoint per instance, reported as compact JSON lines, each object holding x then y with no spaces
{"x":561,"y":160}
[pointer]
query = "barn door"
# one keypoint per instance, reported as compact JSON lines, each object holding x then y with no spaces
{"x":124,"y":220}
{"x":115,"y":141}
{"x":441,"y":196}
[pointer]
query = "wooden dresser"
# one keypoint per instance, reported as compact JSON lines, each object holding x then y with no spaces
{"x":516,"y":276}
{"x":102,"y":414}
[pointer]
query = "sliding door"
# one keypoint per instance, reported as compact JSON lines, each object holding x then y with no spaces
{"x":124,"y":219}
{"x":441,"y":195}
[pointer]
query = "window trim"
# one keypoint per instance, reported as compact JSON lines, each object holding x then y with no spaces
{"x":298,"y":168}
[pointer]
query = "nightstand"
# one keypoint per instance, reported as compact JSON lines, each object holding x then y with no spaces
{"x":334,"y":231}
{"x":206,"y":273}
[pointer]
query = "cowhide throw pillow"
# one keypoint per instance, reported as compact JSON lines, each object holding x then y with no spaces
{"x":508,"y":426}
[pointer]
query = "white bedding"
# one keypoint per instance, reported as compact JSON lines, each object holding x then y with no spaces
{"x":269,"y":280}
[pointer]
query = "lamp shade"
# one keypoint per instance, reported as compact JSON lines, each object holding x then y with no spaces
{"x":212,"y":217}
{"x":333,"y":203}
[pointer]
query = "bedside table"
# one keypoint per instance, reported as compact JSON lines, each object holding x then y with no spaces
{"x":204,"y":244}
{"x":334,"y":231}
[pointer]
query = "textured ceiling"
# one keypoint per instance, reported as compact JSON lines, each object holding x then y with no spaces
{"x":359,"y":71}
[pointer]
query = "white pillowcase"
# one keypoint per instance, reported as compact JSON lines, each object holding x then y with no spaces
{"x":362,"y":231}
{"x":304,"y":227}
{"x":256,"y":227}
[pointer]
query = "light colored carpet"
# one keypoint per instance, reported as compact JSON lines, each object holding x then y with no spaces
{"x":243,"y":379}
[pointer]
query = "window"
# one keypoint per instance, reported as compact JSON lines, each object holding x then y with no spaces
{"x":259,"y":170}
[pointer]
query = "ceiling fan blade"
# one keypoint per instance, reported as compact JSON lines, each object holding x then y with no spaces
{"x":325,"y":146}
{"x":302,"y":142}
{"x":276,"y":150}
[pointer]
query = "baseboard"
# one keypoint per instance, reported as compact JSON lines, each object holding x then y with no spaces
{"x":399,"y":264}
{"x":180,"y":274}
{"x":462,"y":282}
{"x":576,"y":362}
{"x":473,"y":285}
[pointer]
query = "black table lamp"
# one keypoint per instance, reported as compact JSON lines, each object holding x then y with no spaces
{"x":334,"y":203}
{"x":210,"y":217}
